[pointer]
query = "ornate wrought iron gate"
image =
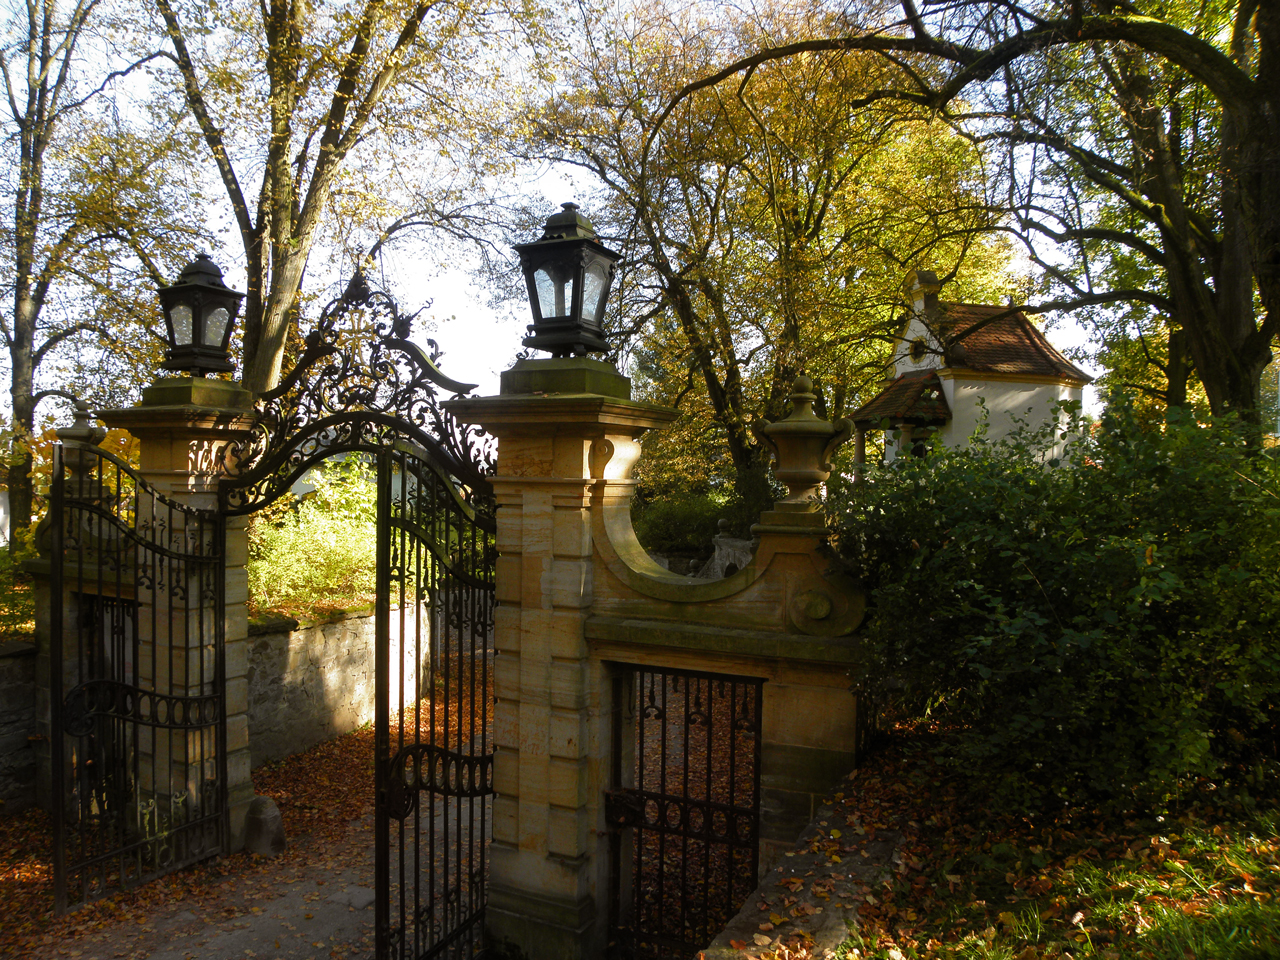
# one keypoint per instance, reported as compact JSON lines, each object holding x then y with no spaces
{"x":684,"y":813}
{"x":136,"y":666}
{"x":434,"y":761}
{"x":361,"y":389}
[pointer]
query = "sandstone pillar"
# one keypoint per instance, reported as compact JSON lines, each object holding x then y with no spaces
{"x":182,"y":425}
{"x":549,"y":863}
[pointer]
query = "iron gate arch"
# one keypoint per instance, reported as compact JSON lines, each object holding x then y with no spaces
{"x":137,"y":706}
{"x":361,"y":387}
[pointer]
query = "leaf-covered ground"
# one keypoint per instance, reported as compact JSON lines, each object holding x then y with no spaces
{"x":325,"y":796}
{"x":963,"y":882}
{"x":321,"y":794}
{"x":968,"y":882}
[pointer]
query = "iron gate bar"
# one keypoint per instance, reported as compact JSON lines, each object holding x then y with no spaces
{"x":382,"y":706}
{"x":56,"y":629}
{"x":675,"y":806}
{"x":118,"y":822}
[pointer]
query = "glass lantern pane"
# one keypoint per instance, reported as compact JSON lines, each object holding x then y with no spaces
{"x":555,"y":296}
{"x":180,"y":317}
{"x":593,"y":289}
{"x":546,"y":293}
{"x":215,"y":325}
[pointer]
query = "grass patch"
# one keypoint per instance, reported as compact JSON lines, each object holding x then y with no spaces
{"x":313,"y":556}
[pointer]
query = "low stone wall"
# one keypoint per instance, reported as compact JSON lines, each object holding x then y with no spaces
{"x":17,"y":725}
{"x":310,"y":682}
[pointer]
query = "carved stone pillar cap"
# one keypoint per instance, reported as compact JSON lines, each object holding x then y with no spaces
{"x":197,"y":392}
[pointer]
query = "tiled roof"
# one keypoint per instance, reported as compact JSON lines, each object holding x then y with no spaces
{"x":914,"y":397}
{"x":1011,"y":344}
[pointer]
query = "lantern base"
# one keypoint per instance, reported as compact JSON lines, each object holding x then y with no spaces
{"x":564,"y":337}
{"x":196,"y":392}
{"x":565,"y":375}
{"x":197,"y":360}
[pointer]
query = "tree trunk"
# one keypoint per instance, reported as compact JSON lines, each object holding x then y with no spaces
{"x":1210,"y":284}
{"x":262,"y":369}
{"x":1177,"y":371}
{"x":21,"y":361}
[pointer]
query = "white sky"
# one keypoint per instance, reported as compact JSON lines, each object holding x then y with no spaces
{"x":477,"y":343}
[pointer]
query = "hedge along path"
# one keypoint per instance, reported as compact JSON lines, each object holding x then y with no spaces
{"x":325,"y":796}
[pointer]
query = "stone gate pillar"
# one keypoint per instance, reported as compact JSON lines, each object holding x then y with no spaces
{"x":549,"y":866}
{"x":182,"y":425}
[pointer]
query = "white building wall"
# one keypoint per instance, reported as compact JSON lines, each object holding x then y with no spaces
{"x":1009,"y":403}
{"x":1008,"y":406}
{"x":902,"y":360}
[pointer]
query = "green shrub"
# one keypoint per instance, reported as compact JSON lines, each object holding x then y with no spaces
{"x":679,"y":525}
{"x":1104,"y":630}
{"x":317,"y":553}
{"x":17,"y":602}
{"x":684,"y":522}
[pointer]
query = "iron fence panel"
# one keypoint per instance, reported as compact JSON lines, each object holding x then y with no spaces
{"x":137,"y":690}
{"x":684,"y":812}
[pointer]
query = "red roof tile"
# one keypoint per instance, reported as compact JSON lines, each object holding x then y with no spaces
{"x":914,"y":397}
{"x":1011,"y":344}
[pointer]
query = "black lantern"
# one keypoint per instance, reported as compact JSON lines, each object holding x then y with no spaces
{"x":199,"y":312}
{"x":569,"y":273}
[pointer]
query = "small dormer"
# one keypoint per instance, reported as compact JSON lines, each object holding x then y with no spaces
{"x":953,"y":361}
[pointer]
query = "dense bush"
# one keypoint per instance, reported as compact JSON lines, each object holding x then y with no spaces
{"x":678,"y":525}
{"x":317,"y":553}
{"x":17,"y":602}
{"x":673,"y":521}
{"x":1104,"y":630}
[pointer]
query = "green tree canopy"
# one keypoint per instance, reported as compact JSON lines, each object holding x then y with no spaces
{"x":1179,"y":179}
{"x":770,"y":225}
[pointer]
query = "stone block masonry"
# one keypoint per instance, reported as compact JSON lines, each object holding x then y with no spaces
{"x":313,"y":681}
{"x":17,"y":726}
{"x":583,"y":604}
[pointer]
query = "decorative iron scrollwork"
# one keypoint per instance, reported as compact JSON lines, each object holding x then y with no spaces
{"x":419,"y":767}
{"x":122,"y":701}
{"x":359,"y":385}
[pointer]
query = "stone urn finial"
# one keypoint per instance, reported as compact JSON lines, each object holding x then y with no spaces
{"x":81,"y":429}
{"x":802,"y":444}
{"x":78,"y":462}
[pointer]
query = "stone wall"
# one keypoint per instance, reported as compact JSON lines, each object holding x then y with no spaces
{"x":17,"y":725}
{"x":310,"y":682}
